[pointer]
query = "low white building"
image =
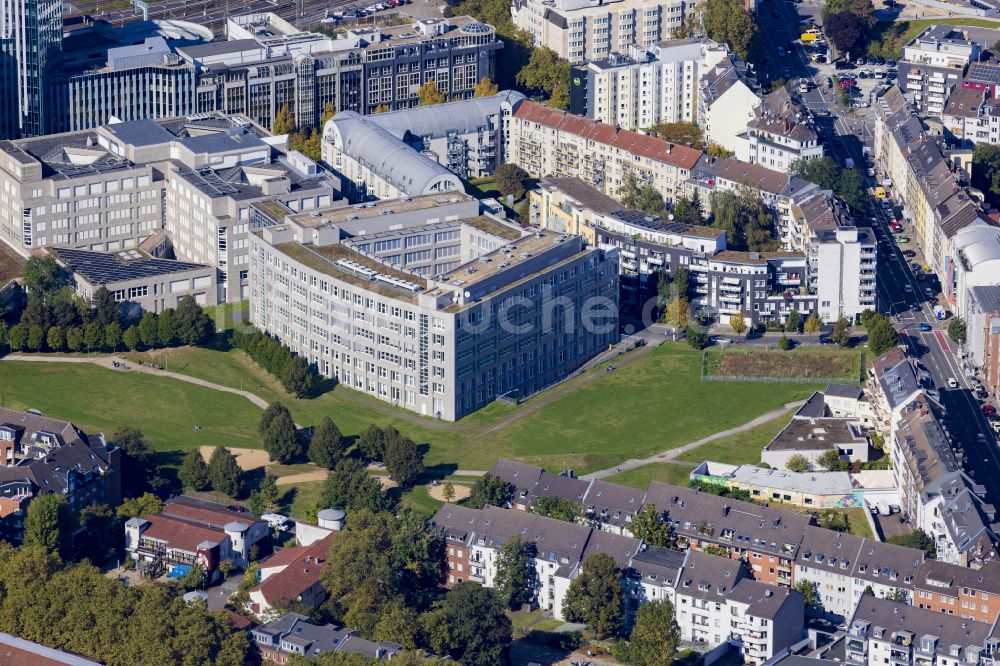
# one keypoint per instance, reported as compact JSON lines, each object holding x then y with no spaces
{"x":726,"y":103}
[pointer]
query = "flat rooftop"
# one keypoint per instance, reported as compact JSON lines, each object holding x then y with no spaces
{"x":323,"y":258}
{"x":817,"y":483}
{"x":344,"y":214}
{"x":500,"y":260}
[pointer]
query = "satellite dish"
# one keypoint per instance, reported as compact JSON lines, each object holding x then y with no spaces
{"x":468,"y":294}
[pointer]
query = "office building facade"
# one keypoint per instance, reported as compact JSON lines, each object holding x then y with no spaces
{"x":30,"y":51}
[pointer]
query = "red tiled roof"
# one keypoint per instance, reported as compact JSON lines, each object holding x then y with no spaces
{"x":300,"y":573}
{"x":240,"y":622}
{"x":211,"y":517}
{"x":633,"y":142}
{"x":179,"y":534}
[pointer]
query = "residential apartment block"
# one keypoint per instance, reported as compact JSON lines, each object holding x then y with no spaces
{"x":727,"y":98}
{"x":780,"y":133}
{"x":580,"y":30}
{"x":547,"y":142}
{"x":40,"y":455}
{"x":645,"y":86}
{"x":418,"y":151}
{"x":292,"y":635}
{"x":111,"y":188}
{"x":412,"y":300}
{"x":833,"y":274}
{"x":972,"y":594}
{"x":882,"y":631}
{"x":933,"y":64}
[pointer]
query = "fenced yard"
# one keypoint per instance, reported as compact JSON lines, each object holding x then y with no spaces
{"x":806,"y":365}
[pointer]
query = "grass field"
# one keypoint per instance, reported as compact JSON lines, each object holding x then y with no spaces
{"x":645,"y":406}
{"x":640,"y":477}
{"x":740,"y":449}
{"x":841,"y":364}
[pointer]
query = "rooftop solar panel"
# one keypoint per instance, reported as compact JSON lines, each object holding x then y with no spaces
{"x":104,"y":268}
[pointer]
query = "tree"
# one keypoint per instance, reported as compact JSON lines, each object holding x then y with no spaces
{"x":470,"y":625}
{"x":515,"y":574}
{"x":350,"y":487}
{"x":747,"y":221}
{"x":651,"y":525}
{"x":139,"y":466}
{"x":688,"y":211}
{"x":113,"y":335}
{"x":485,"y":88}
{"x":683,"y":133}
{"x":489,"y":490}
{"x":639,"y":196}
{"x":985,"y":170}
{"x":36,"y":337}
{"x":372,"y":443}
{"x":844,"y":31}
{"x":957,"y":330}
{"x":265,"y":497}
{"x":328,"y":112}
{"x":833,"y":520}
{"x":44,"y":276}
{"x":17,"y":337}
{"x":448,"y":491}
{"x":193,"y":472}
{"x":74,"y":338}
{"x":326,"y":447}
{"x":738,"y":323}
{"x":918,"y":539}
{"x":797,"y":463}
{"x":882,"y":336}
{"x":225,"y":472}
{"x":784,"y":343}
{"x":807,"y":589}
{"x":194,"y":327}
{"x":510,"y":179}
{"x":93,"y":336}
{"x":134,"y":507}
{"x":49,"y":523}
{"x":898,"y":595}
{"x":546,"y":74}
{"x":166,"y":328}
{"x":696,"y":336}
{"x":655,"y":636}
{"x":429,"y":94}
{"x":841,"y":332}
{"x":104,"y":308}
{"x":55,"y":339}
{"x":831,"y":461}
{"x":284,"y":121}
{"x":100,"y":537}
{"x":131,"y":338}
{"x":676,"y":314}
{"x":149,"y":331}
{"x":728,"y":22}
{"x":551,"y":506}
{"x":716,"y":150}
{"x":793,"y":321}
{"x":403,"y":459}
{"x":595,"y":597}
{"x":812,"y":324}
{"x":280,"y":437}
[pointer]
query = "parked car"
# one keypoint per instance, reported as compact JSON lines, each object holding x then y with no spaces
{"x":276,"y":521}
{"x":904,"y":239}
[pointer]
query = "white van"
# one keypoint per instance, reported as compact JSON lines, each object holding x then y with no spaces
{"x":277,"y":521}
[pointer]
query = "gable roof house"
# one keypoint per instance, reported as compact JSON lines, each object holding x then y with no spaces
{"x":291,"y":574}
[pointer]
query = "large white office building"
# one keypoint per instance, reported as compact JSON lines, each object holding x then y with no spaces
{"x":429,"y":304}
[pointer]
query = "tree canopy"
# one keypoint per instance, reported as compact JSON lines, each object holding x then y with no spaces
{"x":639,"y":196}
{"x":546,"y":74}
{"x":595,"y":597}
{"x":326,"y":447}
{"x":728,"y":22}
{"x":470,"y":626}
{"x":683,"y":133}
{"x":225,"y":472}
{"x":515,"y":572}
{"x":490,"y":490}
{"x":655,"y":636}
{"x":430,"y":93}
{"x":350,"y":486}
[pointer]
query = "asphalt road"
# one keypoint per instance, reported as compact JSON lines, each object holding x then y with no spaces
{"x":845,"y":136}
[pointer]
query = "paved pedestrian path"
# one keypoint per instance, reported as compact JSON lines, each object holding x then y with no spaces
{"x":670,"y":454}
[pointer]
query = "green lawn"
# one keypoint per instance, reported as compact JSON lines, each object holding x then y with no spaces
{"x":740,"y":449}
{"x":418,"y":499}
{"x":858,"y":521}
{"x":651,"y":404}
{"x":640,"y":477}
{"x":98,"y":400}
{"x":301,"y":498}
{"x":890,"y":37}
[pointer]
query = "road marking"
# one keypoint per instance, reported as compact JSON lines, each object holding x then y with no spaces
{"x":945,"y":347}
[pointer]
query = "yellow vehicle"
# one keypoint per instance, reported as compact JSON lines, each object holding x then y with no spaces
{"x":880,"y":193}
{"x":811,"y":35}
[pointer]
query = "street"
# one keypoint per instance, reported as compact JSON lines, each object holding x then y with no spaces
{"x":845,"y":134}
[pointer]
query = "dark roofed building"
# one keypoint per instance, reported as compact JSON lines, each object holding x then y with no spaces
{"x":293,"y":635}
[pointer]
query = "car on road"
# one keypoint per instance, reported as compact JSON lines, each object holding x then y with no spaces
{"x":904,"y":239}
{"x":787,"y":73}
{"x":981,"y":438}
{"x":781,"y":51}
{"x":952,"y":383}
{"x":719,"y":340}
{"x":775,"y":14}
{"x":925,"y":327}
{"x":989,"y":410}
{"x":907,"y":288}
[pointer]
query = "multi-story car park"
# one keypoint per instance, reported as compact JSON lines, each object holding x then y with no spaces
{"x":110,"y":188}
{"x":426,"y":303}
{"x":589,"y":30}
{"x":268,"y":64}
